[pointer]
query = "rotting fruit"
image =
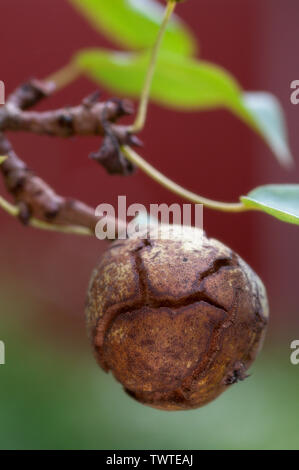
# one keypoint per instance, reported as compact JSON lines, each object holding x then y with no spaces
{"x":176,"y":320}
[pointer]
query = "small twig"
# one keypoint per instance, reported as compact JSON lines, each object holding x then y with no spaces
{"x":28,"y":94}
{"x":85,"y":119}
{"x":110,"y":154}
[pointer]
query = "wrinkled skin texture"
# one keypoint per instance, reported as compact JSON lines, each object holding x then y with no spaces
{"x":176,"y":321}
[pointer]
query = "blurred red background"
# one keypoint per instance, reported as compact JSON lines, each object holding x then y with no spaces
{"x":211,"y":153}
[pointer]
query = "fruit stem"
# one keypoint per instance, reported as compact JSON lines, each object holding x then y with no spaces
{"x":144,"y":99}
{"x":153,"y":173}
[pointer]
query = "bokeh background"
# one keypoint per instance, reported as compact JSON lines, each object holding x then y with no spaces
{"x":52,"y":394}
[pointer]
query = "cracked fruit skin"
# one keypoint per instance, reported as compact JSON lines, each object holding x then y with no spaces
{"x":176,"y":320}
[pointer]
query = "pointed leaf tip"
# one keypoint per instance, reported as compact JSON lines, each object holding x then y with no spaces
{"x":279,"y":200}
{"x":269,"y":116}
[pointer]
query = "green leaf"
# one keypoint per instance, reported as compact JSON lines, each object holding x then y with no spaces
{"x":269,"y":116}
{"x":279,"y":200}
{"x":135,"y":24}
{"x":179,"y":82}
{"x":189,"y":84}
{"x":2,"y":159}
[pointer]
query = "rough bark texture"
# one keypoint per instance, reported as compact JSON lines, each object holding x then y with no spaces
{"x":176,"y":320}
{"x":33,"y":196}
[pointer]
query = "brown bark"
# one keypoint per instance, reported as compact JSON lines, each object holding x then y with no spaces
{"x":34,"y":197}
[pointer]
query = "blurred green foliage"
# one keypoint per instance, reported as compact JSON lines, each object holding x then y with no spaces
{"x":56,"y":397}
{"x":135,"y":24}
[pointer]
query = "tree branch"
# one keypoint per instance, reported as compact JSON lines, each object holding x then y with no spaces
{"x":37,"y":199}
{"x":33,"y":196}
{"x":85,"y":119}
